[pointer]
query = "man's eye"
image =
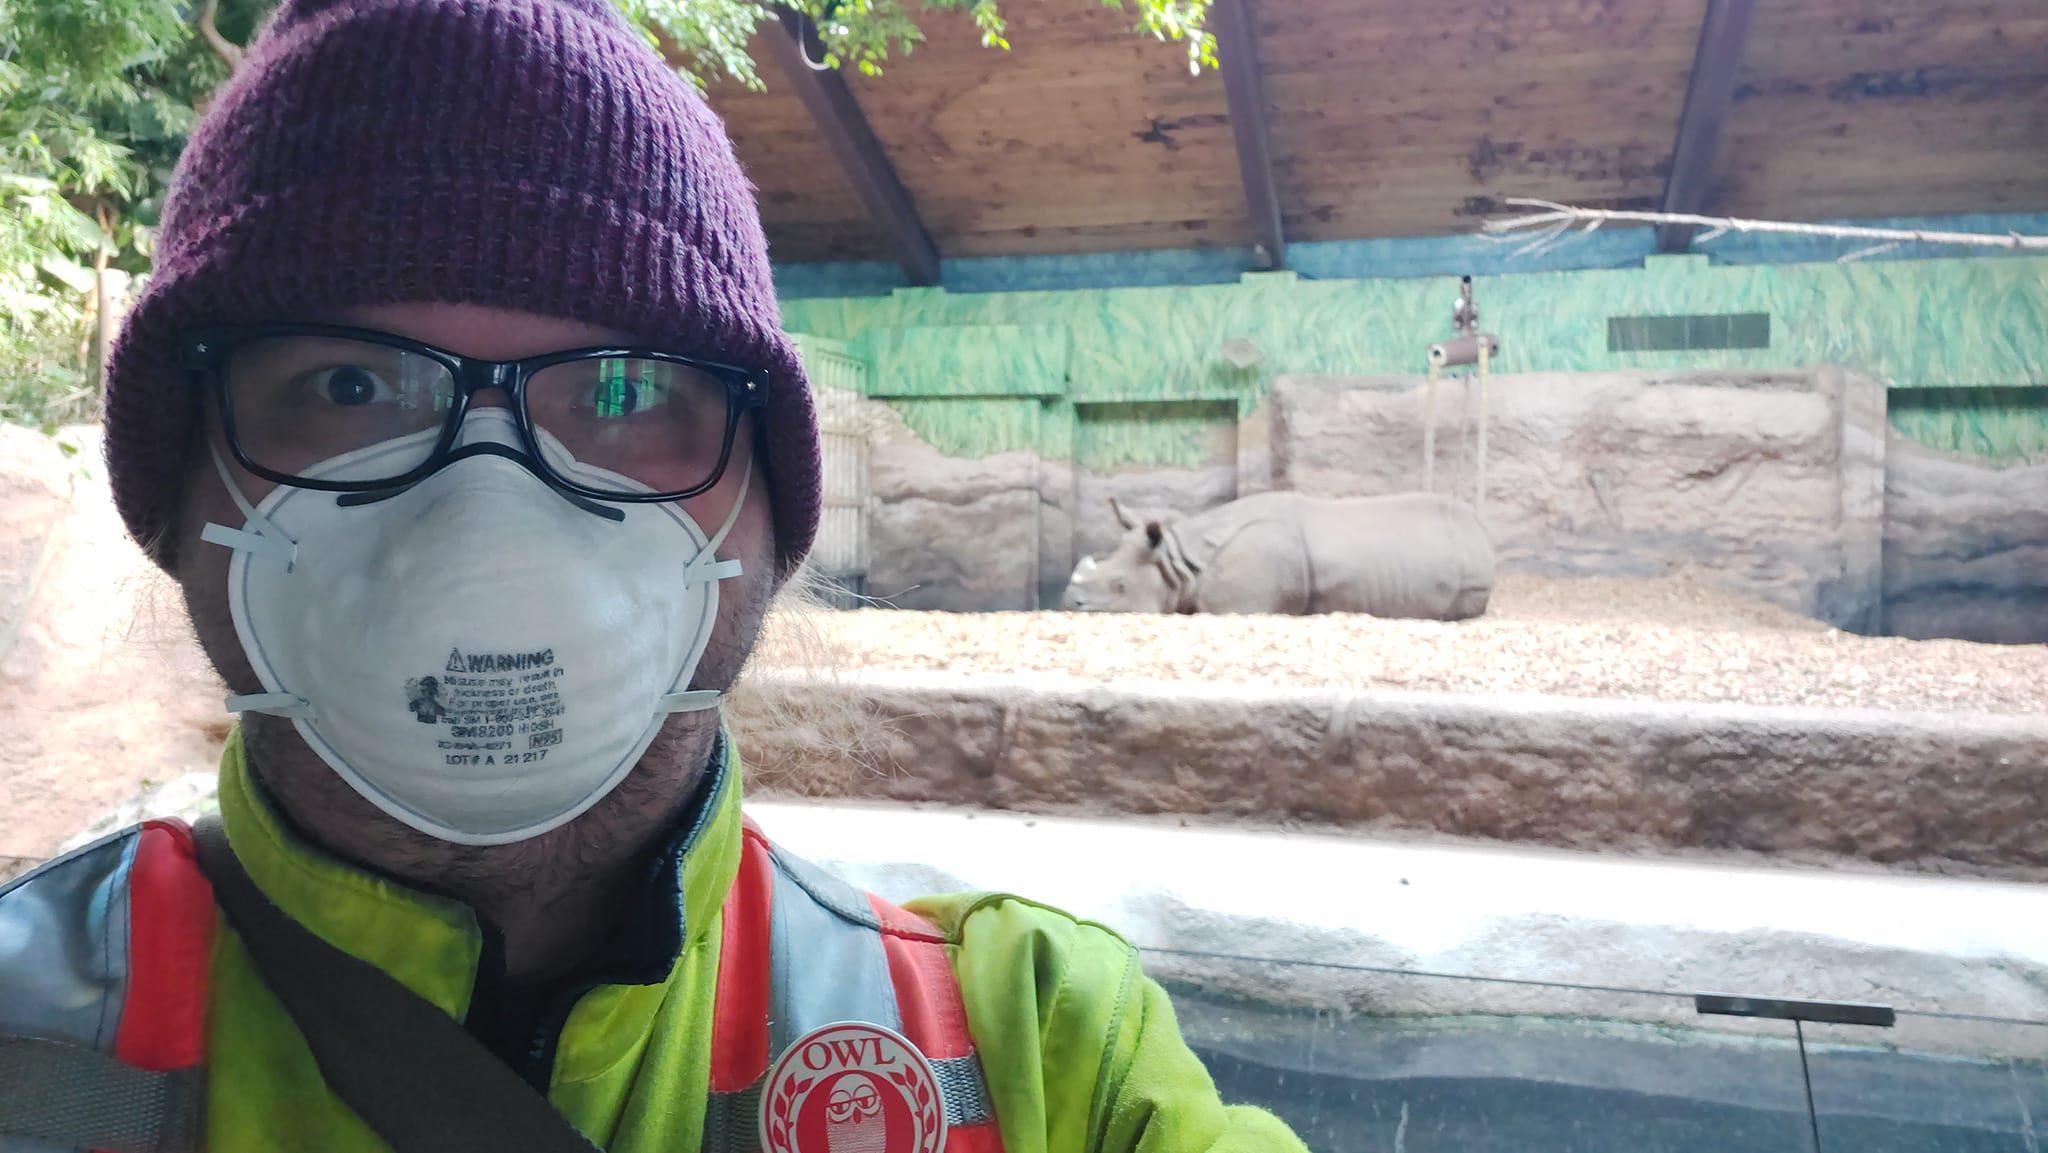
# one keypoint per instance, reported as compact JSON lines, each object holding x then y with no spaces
{"x":616,"y":398}
{"x":351,"y":385}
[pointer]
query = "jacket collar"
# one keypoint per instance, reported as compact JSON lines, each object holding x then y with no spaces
{"x":433,"y":944}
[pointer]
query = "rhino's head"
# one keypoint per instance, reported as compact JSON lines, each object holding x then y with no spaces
{"x":1146,"y":573}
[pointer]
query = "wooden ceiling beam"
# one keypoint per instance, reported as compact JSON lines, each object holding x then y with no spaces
{"x":1708,"y":96}
{"x":847,"y":133}
{"x":1237,"y":45}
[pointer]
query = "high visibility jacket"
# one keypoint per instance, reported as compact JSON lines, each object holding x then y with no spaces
{"x":1042,"y":1033}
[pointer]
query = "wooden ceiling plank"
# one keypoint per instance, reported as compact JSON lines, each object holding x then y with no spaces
{"x":1237,"y":45}
{"x":1708,"y":96}
{"x":852,"y":140}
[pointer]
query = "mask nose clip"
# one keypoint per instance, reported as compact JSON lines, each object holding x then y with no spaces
{"x":487,"y":448}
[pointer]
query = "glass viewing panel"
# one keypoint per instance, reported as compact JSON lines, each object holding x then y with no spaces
{"x":1931,"y":1085}
{"x":1416,"y":1063}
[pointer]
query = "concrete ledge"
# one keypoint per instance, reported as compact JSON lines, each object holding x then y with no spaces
{"x":1304,"y":922}
{"x":1944,"y":791}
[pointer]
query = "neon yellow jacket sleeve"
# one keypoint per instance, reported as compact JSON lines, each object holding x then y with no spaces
{"x":1080,"y":1048}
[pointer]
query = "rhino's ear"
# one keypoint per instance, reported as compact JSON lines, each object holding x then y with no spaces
{"x":1155,"y":532}
{"x":1123,"y":515}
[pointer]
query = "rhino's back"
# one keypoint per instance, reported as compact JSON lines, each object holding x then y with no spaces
{"x":1406,"y":555}
{"x":1250,"y":555}
{"x":1278,"y":506}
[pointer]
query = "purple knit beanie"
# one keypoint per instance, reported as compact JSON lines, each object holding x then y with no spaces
{"x":521,"y":154}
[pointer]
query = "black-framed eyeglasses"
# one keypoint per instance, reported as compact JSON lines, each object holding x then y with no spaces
{"x":353,"y":410}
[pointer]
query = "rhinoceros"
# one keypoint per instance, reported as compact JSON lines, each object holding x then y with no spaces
{"x":1408,"y":555}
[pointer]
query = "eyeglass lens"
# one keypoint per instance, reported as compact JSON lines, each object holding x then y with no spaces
{"x":299,"y":401}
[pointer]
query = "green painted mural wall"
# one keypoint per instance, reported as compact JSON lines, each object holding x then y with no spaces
{"x":974,"y":428}
{"x":976,"y":360}
{"x":2000,"y":424}
{"x":1187,"y":432}
{"x":1979,"y":325}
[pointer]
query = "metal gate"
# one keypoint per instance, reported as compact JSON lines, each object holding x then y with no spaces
{"x":839,"y":383}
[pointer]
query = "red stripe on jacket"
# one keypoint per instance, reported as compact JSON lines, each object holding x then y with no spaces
{"x":739,"y":1023}
{"x":170,"y":952}
{"x":928,"y":1000}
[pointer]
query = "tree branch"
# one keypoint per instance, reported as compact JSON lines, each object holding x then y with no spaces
{"x":230,"y":53}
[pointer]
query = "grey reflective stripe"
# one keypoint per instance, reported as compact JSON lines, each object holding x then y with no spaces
{"x":825,"y":953}
{"x":732,"y":1121}
{"x":76,"y":1097}
{"x":64,"y":946}
{"x":963,"y":1091}
{"x":826,"y":964}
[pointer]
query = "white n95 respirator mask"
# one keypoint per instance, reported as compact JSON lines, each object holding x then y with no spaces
{"x":479,"y":656}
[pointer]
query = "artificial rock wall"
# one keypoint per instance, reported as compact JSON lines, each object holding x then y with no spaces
{"x":1965,"y":547}
{"x":1772,"y":481}
{"x":1935,"y":790}
{"x":103,"y":689}
{"x":1793,"y":486}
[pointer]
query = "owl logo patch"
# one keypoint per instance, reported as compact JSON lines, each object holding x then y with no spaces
{"x":852,"y":1087}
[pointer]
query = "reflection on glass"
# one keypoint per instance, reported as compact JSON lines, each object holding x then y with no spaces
{"x":1931,"y":1085}
{"x":1376,"y":1060}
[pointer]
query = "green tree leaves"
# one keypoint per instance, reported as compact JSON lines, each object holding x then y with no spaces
{"x":97,"y":97}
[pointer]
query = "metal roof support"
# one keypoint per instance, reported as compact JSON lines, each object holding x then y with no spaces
{"x":1708,"y":96}
{"x":846,"y":131}
{"x":1237,"y":45}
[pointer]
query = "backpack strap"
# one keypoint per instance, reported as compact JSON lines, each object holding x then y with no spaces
{"x":799,"y":949}
{"x":414,"y":1075}
{"x":105,"y":956}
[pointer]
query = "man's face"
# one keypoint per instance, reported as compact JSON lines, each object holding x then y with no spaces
{"x":332,"y":812}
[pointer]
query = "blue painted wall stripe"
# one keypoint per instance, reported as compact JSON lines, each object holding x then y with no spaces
{"x":1396,"y":258}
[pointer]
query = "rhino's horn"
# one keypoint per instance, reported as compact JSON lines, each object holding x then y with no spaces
{"x":1086,"y":566}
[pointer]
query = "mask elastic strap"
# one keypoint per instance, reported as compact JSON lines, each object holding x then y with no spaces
{"x":707,"y":566}
{"x":262,"y":538}
{"x":288,"y":705}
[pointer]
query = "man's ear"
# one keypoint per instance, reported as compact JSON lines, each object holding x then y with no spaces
{"x":1154,"y":532}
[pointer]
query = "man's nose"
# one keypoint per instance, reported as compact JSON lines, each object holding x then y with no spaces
{"x":490,"y":396}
